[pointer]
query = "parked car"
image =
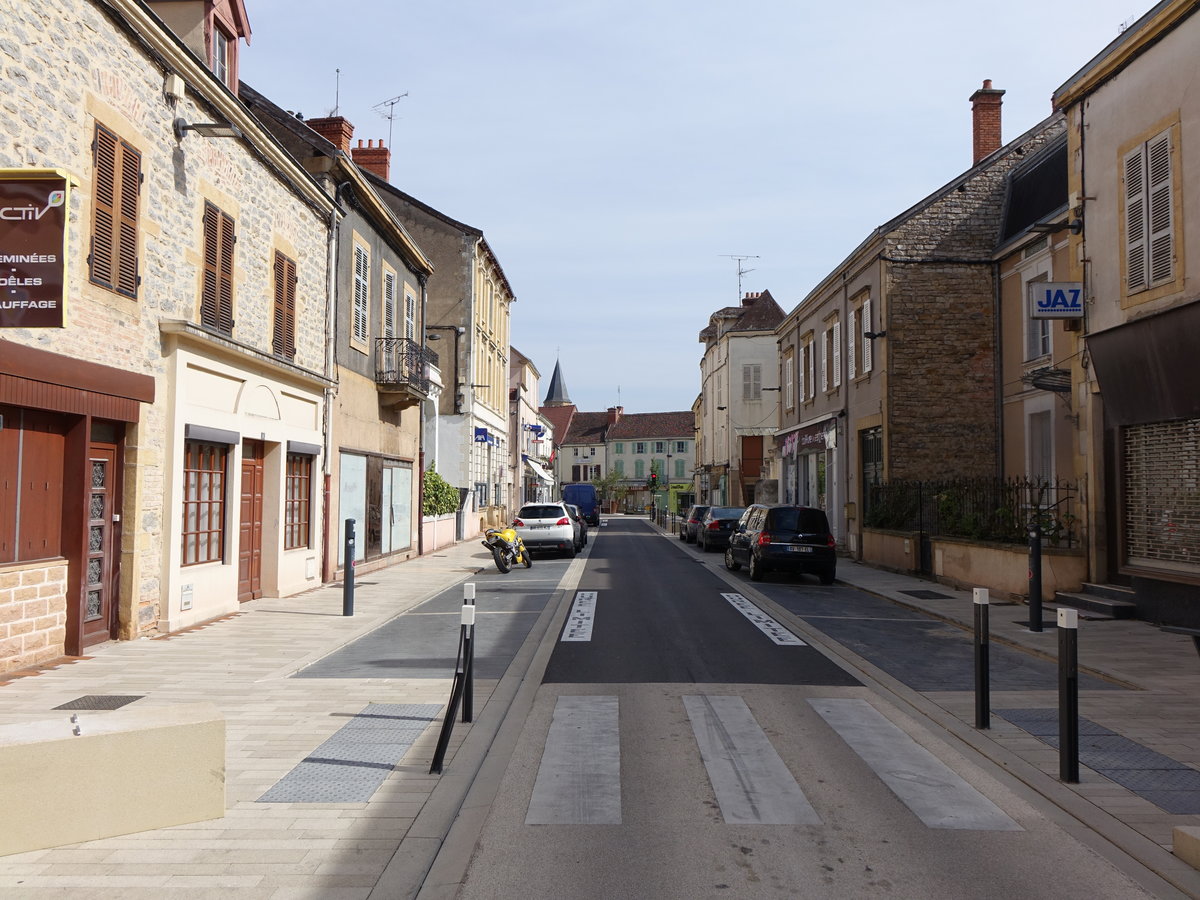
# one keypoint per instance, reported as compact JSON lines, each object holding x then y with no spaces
{"x":715,"y":527}
{"x":783,"y":538}
{"x":585,"y":497}
{"x":577,"y":515}
{"x":690,"y":523}
{"x":547,"y":526}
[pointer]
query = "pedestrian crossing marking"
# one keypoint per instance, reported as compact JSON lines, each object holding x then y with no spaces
{"x":579,"y":621}
{"x":765,"y":623}
{"x":753,"y":785}
{"x":579,"y":779}
{"x":936,"y":794}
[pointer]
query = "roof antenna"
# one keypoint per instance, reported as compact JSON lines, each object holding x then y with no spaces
{"x":390,"y":115}
{"x":740,"y":257}
{"x":337,"y":91}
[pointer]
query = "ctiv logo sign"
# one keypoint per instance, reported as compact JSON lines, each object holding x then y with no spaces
{"x":33,"y":240}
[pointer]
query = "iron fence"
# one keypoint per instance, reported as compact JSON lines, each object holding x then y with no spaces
{"x":984,"y":509}
{"x":402,"y":361}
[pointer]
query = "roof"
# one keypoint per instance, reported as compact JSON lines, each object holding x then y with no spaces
{"x":1036,"y":189}
{"x":757,"y":312}
{"x":641,"y":426}
{"x":586,"y":428}
{"x":557,"y":392}
{"x":559,"y":418}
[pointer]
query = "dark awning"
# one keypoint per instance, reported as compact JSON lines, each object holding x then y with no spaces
{"x":1148,"y":369}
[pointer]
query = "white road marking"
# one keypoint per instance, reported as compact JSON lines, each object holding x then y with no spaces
{"x":752,"y":784}
{"x":579,"y":779}
{"x":582,"y":615}
{"x":934,"y":793}
{"x":765,"y":623}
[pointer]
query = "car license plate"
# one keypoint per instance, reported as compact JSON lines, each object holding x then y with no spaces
{"x":800,"y":548}
{"x":536,"y":527}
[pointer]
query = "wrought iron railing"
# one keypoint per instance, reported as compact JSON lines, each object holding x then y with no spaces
{"x":986,"y":509}
{"x":403,"y":362}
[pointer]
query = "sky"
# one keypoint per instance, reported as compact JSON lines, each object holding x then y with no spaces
{"x":618,"y":155}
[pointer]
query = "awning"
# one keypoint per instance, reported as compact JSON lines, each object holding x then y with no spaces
{"x":539,"y":471}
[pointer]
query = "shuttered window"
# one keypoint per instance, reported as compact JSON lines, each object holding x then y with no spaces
{"x":867,"y":348}
{"x":216,"y":294}
{"x":283,"y":337}
{"x":1161,"y":495}
{"x":410,"y":316}
{"x":389,"y":304}
{"x":752,"y":381}
{"x":362,"y":297}
{"x":117,"y":172}
{"x":1149,"y":214}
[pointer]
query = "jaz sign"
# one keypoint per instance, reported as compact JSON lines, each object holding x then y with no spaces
{"x":33,"y":230}
{"x":1055,"y":300}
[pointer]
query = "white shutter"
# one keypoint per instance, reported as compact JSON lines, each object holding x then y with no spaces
{"x":1161,"y":264}
{"x":812,"y":370}
{"x":855,"y":335}
{"x":867,"y":342}
{"x":389,"y":304}
{"x":410,"y":316}
{"x":799,"y":372}
{"x":825,"y":360}
{"x":1135,"y":220}
{"x":837,"y":354}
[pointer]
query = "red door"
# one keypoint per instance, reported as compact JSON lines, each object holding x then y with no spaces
{"x":250,"y":542}
{"x":99,"y":619}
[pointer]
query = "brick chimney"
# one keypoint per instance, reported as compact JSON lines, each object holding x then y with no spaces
{"x":377,"y":160}
{"x":985,"y":120}
{"x":750,"y":297}
{"x":614,"y":414}
{"x":334,"y":129}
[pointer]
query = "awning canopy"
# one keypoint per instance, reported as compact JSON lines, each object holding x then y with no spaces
{"x":539,"y":471}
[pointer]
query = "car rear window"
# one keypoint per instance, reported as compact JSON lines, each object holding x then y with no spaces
{"x":541,"y":512}
{"x":698,"y":512}
{"x":726,"y":512}
{"x":806,"y":521}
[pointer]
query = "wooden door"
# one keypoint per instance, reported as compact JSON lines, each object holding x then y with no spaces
{"x":251,"y":533}
{"x":99,"y":613}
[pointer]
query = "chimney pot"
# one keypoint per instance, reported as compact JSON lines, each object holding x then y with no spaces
{"x":334,"y":129}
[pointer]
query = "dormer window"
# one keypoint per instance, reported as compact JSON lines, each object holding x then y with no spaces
{"x":220,"y":55}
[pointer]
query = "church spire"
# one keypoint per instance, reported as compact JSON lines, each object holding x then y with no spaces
{"x":556,"y":394}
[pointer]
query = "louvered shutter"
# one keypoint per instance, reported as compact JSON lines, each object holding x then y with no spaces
{"x":104,"y":202}
{"x":283,"y":338}
{"x":799,"y":372}
{"x":208,"y":291}
{"x":389,"y":304}
{"x":855,"y":337}
{"x":359,"y":325}
{"x":225,"y":277}
{"x":1135,"y":220}
{"x":812,"y":368}
{"x":826,"y":354}
{"x":410,"y":316}
{"x":290,"y":299}
{"x":837,"y":354}
{"x":1161,"y":263}
{"x":867,"y":342}
{"x":127,"y":222}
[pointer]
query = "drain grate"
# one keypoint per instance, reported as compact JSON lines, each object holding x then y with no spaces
{"x":928,"y":595}
{"x":102,"y":701}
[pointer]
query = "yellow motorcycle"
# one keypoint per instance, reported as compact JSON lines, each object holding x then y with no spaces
{"x":507,"y":548}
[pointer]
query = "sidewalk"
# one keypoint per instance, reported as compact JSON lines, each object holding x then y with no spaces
{"x":241,"y":663}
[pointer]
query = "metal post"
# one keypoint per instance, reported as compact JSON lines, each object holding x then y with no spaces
{"x":348,"y":568}
{"x":1035,"y":576}
{"x":1068,"y":695}
{"x":468,"y":620}
{"x":982,"y":675}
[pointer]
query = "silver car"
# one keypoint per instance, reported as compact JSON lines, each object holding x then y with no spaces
{"x":547,"y":526}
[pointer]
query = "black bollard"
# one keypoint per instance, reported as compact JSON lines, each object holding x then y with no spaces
{"x":1068,"y":695}
{"x":1035,"y":576}
{"x":983,"y":711}
{"x":468,"y":639}
{"x":348,"y":577}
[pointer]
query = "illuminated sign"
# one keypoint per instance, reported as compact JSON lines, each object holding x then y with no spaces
{"x":1055,"y":300}
{"x":33,"y":244}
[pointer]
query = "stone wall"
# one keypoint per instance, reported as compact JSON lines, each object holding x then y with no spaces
{"x":33,"y":613}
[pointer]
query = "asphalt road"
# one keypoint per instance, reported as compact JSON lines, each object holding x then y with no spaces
{"x":683,"y":744}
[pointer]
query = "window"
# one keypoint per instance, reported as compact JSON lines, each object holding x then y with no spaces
{"x":660,"y":446}
{"x":220,"y":55}
{"x":575,"y":451}
{"x":679,"y":465}
{"x":1037,"y":331}
{"x":113,"y":262}
{"x":619,"y":467}
{"x":831,"y":356}
{"x":639,"y":468}
{"x":283,"y":337}
{"x":204,"y":467}
{"x":297,"y":531}
{"x":789,"y":384}
{"x":618,"y":447}
{"x":410,"y":316}
{"x":595,"y":472}
{"x":1149,"y":214}
{"x":858,"y":346}
{"x":810,"y":357}
{"x":639,"y":447}
{"x":389,"y":303}
{"x":216,"y":294}
{"x":362,"y":297}
{"x":802,"y":379}
{"x":681,"y":446}
{"x":1041,"y":446}
{"x":752,"y":382}
{"x":591,"y":451}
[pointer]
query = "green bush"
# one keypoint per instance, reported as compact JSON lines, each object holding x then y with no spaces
{"x":440,"y":496}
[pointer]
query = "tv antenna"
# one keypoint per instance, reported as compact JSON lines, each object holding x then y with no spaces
{"x":390,"y":115}
{"x":740,"y":257}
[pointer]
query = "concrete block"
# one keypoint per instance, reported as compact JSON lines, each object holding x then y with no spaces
{"x":1187,"y":844}
{"x":127,"y":770}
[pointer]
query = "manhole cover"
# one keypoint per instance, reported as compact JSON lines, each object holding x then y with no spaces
{"x":927,"y":595}
{"x":101,"y":701}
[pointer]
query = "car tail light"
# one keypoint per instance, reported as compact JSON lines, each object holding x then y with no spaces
{"x":563,"y":521}
{"x":831,"y":542}
{"x":517,"y":523}
{"x":764,"y":538}
{"x":714,"y":526}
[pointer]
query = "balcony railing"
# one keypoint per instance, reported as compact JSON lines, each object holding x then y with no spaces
{"x":402,"y":369}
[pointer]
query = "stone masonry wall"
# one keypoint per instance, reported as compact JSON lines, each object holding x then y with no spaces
{"x":33,"y":614}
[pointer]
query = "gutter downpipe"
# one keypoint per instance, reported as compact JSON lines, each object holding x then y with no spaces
{"x":329,"y":567}
{"x":423,"y":279}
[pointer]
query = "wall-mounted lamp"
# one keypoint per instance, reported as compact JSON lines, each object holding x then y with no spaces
{"x":773,"y":389}
{"x":208,"y":129}
{"x":871,"y":335}
{"x":1075,"y":226}
{"x":722,"y":407}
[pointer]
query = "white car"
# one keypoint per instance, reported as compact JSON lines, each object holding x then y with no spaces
{"x":547,"y":526}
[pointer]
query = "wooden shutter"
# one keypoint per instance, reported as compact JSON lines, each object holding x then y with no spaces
{"x":127,"y":224}
{"x":104,"y":202}
{"x":389,"y":304}
{"x":283,"y":338}
{"x":1159,"y":203}
{"x":1135,"y":220}
{"x":359,"y":325}
{"x":216,"y":295}
{"x":117,"y":173}
{"x":867,"y":342}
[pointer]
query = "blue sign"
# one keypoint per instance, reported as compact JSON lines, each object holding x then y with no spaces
{"x":1055,"y":300}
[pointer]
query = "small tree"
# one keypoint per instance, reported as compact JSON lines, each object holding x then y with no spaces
{"x":440,"y":496}
{"x":607,"y":485}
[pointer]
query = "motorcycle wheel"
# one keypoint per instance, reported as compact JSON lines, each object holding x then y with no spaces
{"x":526,"y":559}
{"x":501,"y":560}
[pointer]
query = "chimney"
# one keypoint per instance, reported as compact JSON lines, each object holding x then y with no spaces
{"x":985,"y":119}
{"x":376,"y":160}
{"x":614,"y":414}
{"x":334,"y":129}
{"x":750,"y":297}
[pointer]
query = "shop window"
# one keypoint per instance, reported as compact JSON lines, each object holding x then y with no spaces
{"x":204,"y":476}
{"x":297,"y":527}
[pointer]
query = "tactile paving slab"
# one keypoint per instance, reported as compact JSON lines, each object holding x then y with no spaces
{"x":1165,"y":782}
{"x":355,"y":761}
